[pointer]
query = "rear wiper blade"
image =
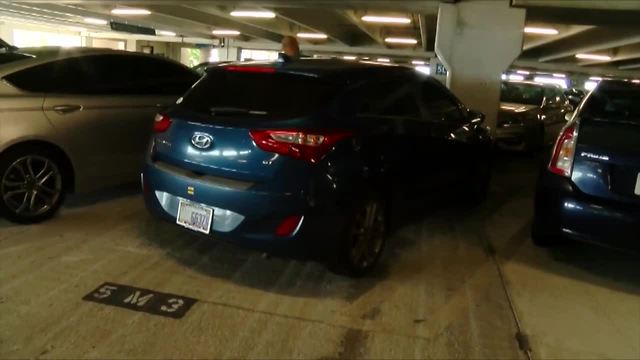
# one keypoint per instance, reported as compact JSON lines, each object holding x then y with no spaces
{"x":235,"y":111}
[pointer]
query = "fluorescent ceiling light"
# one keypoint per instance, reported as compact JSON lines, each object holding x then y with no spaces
{"x":312,"y":35}
{"x":349,"y":57}
{"x":541,"y":31}
{"x":516,"y":77}
{"x":503,"y":77}
{"x":523,"y":72}
{"x":386,"y":19}
{"x":635,"y":81}
{"x":366,"y":58}
{"x":559,"y":75}
{"x":418,"y":62}
{"x":590,"y":85}
{"x":165,"y":33}
{"x":595,"y":78}
{"x":130,"y":11}
{"x":226,"y":32}
{"x":593,"y":57}
{"x":384,"y":60}
{"x":424,"y":69}
{"x":95,"y":21}
{"x":550,"y":80}
{"x":254,"y":14}
{"x":394,"y":40}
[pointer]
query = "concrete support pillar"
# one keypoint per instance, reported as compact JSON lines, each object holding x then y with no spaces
{"x":229,"y":53}
{"x":477,"y":41}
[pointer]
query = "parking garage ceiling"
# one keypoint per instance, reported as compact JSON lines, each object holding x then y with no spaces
{"x":607,"y":32}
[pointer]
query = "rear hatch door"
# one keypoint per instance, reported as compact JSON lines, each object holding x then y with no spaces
{"x":226,"y":105}
{"x":607,"y":159}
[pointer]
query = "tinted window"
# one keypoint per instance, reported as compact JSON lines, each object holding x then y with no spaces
{"x":65,"y":76}
{"x":616,"y":102}
{"x":269,"y":95}
{"x":439,"y":104}
{"x":404,"y":105}
{"x":106,"y":74}
{"x":522,"y":93}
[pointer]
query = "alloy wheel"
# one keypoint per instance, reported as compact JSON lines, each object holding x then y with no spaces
{"x":31,"y":185}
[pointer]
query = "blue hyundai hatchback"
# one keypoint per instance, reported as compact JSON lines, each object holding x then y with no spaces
{"x":591,"y":188}
{"x":303,"y":156}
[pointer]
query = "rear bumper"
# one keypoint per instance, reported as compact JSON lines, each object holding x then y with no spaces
{"x":562,"y":208}
{"x":243,"y":215}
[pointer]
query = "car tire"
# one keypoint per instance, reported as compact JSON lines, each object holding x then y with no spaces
{"x":32,"y":184}
{"x":364,"y":239}
{"x":535,"y":141}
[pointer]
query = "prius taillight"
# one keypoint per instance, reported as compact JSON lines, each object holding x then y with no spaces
{"x":564,"y":152}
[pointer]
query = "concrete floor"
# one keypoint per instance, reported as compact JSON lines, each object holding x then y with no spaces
{"x":438,"y":293}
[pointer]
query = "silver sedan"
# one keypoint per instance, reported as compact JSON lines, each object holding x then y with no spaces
{"x":76,"y":120}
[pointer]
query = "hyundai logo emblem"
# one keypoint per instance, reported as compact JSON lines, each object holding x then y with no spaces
{"x":201,"y":141}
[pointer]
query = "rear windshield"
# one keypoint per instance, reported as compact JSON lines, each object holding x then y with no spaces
{"x":616,"y":103}
{"x":266,"y":95}
{"x":519,"y":93}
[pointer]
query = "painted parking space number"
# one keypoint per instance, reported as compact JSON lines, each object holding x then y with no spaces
{"x":144,"y":300}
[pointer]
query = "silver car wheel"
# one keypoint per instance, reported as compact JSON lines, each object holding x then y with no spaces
{"x":31,"y":185}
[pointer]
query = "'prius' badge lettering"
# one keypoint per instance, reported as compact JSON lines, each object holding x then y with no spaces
{"x":202,"y":141}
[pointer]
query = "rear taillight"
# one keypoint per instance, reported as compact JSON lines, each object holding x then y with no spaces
{"x":310,"y":146}
{"x":564,"y":151}
{"x":161,"y":123}
{"x":289,"y":226}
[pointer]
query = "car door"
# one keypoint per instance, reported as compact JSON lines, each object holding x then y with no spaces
{"x":104,"y":106}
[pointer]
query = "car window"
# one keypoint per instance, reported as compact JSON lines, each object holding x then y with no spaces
{"x":266,"y":95}
{"x":403,"y":105}
{"x":440,"y":105}
{"x":68,"y":76}
{"x":522,"y":93}
{"x":112,"y":74}
{"x":616,"y":103}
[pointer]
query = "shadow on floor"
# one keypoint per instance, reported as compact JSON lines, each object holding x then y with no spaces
{"x":87,"y":199}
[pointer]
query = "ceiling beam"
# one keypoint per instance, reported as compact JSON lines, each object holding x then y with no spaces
{"x":564,"y":33}
{"x":319,"y":21}
{"x":624,"y":53}
{"x":356,"y":50}
{"x":629,"y":67}
{"x":568,"y":67}
{"x":594,"y":39}
{"x":424,"y":32}
{"x":370,"y":31}
{"x":203,"y":17}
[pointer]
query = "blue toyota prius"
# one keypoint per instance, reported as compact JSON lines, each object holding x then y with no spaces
{"x":304,"y":155}
{"x":591,"y":188}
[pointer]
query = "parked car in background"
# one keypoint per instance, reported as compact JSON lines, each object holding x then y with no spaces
{"x":531,"y":114}
{"x":304,"y":156}
{"x":591,"y":187}
{"x":76,"y":120}
{"x":575,"y":96}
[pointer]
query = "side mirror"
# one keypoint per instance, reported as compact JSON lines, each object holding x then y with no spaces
{"x":476,"y":117}
{"x":569,"y":115}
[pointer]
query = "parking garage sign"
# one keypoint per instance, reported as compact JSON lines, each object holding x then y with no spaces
{"x":138,"y":299}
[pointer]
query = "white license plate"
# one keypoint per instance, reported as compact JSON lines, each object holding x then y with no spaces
{"x":194,"y":216}
{"x":637,"y":191}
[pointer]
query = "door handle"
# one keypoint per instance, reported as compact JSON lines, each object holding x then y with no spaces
{"x":66,"y":109}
